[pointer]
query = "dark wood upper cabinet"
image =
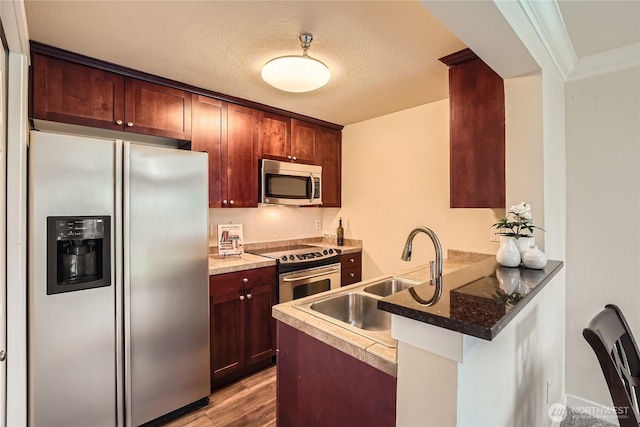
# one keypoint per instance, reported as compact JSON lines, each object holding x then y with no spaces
{"x":153,"y":109}
{"x":229,"y":134}
{"x":209,"y":134}
{"x":477,"y":147}
{"x":303,"y":141}
{"x":70,"y":88}
{"x":242,"y":159}
{"x":274,"y":140}
{"x":73,"y":93}
{"x":329,"y":156}
{"x":286,"y":139}
{"x":67,"y":92}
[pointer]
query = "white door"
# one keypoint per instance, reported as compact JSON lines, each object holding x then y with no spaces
{"x":3,"y":233}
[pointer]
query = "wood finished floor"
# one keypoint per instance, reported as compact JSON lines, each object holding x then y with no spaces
{"x":249,"y":402}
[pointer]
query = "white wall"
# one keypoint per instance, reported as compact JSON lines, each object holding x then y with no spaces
{"x":603,"y":211}
{"x":395,"y":177}
{"x":267,"y":223}
{"x":524,"y":154}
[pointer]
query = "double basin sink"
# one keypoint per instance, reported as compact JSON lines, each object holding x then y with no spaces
{"x":357,"y":310}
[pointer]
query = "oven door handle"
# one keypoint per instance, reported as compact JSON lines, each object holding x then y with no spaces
{"x":322,"y":273}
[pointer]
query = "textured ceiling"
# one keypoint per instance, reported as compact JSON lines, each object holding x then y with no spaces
{"x":383,"y":55}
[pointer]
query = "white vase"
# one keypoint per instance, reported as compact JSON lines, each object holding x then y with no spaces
{"x":534,"y":258}
{"x":508,"y":254}
{"x":524,"y":242}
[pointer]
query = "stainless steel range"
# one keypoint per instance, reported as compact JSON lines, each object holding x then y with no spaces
{"x":304,"y":270}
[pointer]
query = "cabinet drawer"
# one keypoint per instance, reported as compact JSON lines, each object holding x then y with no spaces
{"x":351,"y":275}
{"x":223,"y":283}
{"x":351,"y":260}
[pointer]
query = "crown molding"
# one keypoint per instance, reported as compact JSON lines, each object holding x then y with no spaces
{"x":547,"y":22}
{"x":606,"y":62}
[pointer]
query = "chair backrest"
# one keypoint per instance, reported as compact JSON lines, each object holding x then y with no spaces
{"x":612,"y":341}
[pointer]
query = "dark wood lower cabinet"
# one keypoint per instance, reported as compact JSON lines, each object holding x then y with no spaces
{"x":351,"y":266}
{"x":318,"y":385}
{"x":242,"y":330}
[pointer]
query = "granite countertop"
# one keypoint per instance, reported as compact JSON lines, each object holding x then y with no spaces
{"x":479,"y":300}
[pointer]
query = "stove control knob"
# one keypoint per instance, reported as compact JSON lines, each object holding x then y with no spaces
{"x":291,"y":257}
{"x":325,"y":252}
{"x":284,"y":257}
{"x":330,"y":251}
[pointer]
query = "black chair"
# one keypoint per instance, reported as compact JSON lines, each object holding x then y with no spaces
{"x":612,"y":341}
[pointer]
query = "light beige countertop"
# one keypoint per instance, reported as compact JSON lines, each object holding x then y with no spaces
{"x":355,"y":345}
{"x":362,"y":348}
{"x":220,"y":265}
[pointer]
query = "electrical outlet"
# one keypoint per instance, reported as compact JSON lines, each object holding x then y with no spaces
{"x":318,"y":224}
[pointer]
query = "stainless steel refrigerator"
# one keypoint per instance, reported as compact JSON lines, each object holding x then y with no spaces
{"x":118,"y":281}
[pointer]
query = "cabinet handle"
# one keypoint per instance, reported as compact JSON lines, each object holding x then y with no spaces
{"x":130,"y":124}
{"x":295,"y":158}
{"x":224,"y":202}
{"x":245,"y":280}
{"x":231,"y":202}
{"x":289,"y":157}
{"x":241,"y":297}
{"x":352,"y":274}
{"x":2,"y":356}
{"x":119,"y":122}
{"x":249,"y":296}
{"x":352,"y":260}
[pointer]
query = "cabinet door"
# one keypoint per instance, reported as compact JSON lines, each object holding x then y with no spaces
{"x":303,"y":142}
{"x":260,"y":334}
{"x":477,"y":133}
{"x":71,"y":93}
{"x":241,"y":180}
{"x":226,"y":333}
{"x":274,"y":140}
{"x":210,"y":135}
{"x":153,"y":109}
{"x":329,"y":148}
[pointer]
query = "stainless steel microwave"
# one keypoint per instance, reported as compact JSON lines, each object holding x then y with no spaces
{"x":293,"y":184}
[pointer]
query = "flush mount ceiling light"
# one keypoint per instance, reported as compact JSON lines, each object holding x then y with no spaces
{"x":296,"y":73}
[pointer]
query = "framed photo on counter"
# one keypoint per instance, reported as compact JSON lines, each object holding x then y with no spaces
{"x":230,"y":239}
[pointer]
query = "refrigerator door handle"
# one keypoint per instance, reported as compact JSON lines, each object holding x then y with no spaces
{"x":118,"y":275}
{"x":126,"y":277}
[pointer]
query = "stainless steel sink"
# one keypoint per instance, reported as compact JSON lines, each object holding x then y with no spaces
{"x":356,"y":309}
{"x":388,"y":287}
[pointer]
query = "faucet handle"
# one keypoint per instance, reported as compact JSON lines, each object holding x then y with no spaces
{"x":432,"y":271}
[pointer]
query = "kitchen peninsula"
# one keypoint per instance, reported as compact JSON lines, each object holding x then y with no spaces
{"x":484,"y":330}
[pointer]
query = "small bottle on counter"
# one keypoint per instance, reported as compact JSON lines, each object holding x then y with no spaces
{"x":340,"y":233}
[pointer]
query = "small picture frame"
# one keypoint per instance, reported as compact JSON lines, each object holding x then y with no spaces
{"x":230,"y":239}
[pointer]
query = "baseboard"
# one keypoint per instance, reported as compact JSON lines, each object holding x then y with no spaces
{"x":604,"y":413}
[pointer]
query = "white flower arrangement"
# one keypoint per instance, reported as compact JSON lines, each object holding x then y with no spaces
{"x":518,"y":222}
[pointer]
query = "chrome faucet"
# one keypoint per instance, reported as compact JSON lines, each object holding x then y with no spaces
{"x":435,"y":268}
